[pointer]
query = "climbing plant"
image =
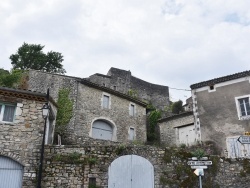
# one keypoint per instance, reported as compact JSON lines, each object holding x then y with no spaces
{"x":65,"y":111}
{"x":133,"y":93}
{"x":153,"y":117}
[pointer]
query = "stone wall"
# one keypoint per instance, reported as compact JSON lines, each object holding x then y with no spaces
{"x":89,"y":109}
{"x":168,"y":127}
{"x":124,"y":82}
{"x":87,"y":101}
{"x":21,"y":140}
{"x":73,"y":166}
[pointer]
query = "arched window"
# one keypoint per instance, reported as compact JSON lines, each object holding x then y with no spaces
{"x":102,"y":130}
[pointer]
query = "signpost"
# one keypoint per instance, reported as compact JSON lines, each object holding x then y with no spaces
{"x":199,"y":172}
{"x":199,"y":165}
{"x":244,"y":139}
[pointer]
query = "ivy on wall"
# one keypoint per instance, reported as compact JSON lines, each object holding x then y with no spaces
{"x":153,"y":117}
{"x":65,"y":111}
{"x":133,"y":93}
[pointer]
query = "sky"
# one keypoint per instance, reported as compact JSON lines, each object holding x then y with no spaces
{"x":174,"y":43}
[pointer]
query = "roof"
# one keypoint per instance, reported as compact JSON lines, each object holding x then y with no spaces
{"x":175,"y":116}
{"x":25,"y":94}
{"x":111,"y":91}
{"x":87,"y":82}
{"x":220,"y":79}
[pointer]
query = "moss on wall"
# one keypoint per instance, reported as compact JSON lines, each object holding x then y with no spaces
{"x":183,"y":175}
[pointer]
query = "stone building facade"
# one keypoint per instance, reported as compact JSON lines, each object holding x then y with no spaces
{"x":124,"y":82}
{"x":21,"y":134}
{"x":221,"y":111}
{"x":177,"y":129}
{"x":98,"y":111}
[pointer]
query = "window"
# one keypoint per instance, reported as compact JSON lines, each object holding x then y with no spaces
{"x":7,"y":112}
{"x":105,"y":102}
{"x":131,"y":135}
{"x":132,"y":110}
{"x":243,"y":107}
{"x":92,"y":182}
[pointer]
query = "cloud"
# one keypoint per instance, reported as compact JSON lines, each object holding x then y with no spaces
{"x":169,"y":42}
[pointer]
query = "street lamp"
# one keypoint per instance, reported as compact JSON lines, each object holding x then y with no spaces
{"x":45,"y":112}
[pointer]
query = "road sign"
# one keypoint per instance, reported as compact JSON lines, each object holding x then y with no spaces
{"x":199,"y":167}
{"x":244,"y":139}
{"x":199,"y":172}
{"x":199,"y":163}
{"x":204,"y":158}
{"x":200,"y":159}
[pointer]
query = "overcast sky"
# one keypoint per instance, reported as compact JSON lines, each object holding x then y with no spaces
{"x":168,"y":42}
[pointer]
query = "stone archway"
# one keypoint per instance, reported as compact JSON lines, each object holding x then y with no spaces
{"x":131,"y":171}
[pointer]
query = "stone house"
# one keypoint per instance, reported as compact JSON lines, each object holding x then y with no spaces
{"x":123,"y":81}
{"x":21,"y":135}
{"x":222,"y":112}
{"x":177,"y":129}
{"x":99,"y":112}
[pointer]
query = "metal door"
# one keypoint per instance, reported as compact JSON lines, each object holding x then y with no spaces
{"x":11,"y":173}
{"x":131,"y":171}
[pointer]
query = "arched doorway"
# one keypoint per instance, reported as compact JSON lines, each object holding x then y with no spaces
{"x":11,"y":173}
{"x":102,"y":130}
{"x":131,"y":171}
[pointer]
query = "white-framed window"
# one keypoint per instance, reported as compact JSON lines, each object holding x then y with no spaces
{"x":132,"y":109}
{"x":243,"y":107}
{"x":7,"y":112}
{"x":131,"y":133}
{"x":106,"y":100}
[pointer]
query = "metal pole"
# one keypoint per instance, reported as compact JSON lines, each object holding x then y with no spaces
{"x":39,"y":179}
{"x":200,"y":181}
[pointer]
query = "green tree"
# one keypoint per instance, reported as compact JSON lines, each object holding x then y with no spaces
{"x":10,"y":79}
{"x":31,"y":56}
{"x":177,"y":107}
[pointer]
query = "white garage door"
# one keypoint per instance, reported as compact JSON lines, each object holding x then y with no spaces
{"x":131,"y":171}
{"x":11,"y":173}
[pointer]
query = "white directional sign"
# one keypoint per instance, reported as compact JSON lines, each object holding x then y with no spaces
{"x":199,"y":167}
{"x":199,"y":163}
{"x":199,"y":172}
{"x":244,"y":139}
